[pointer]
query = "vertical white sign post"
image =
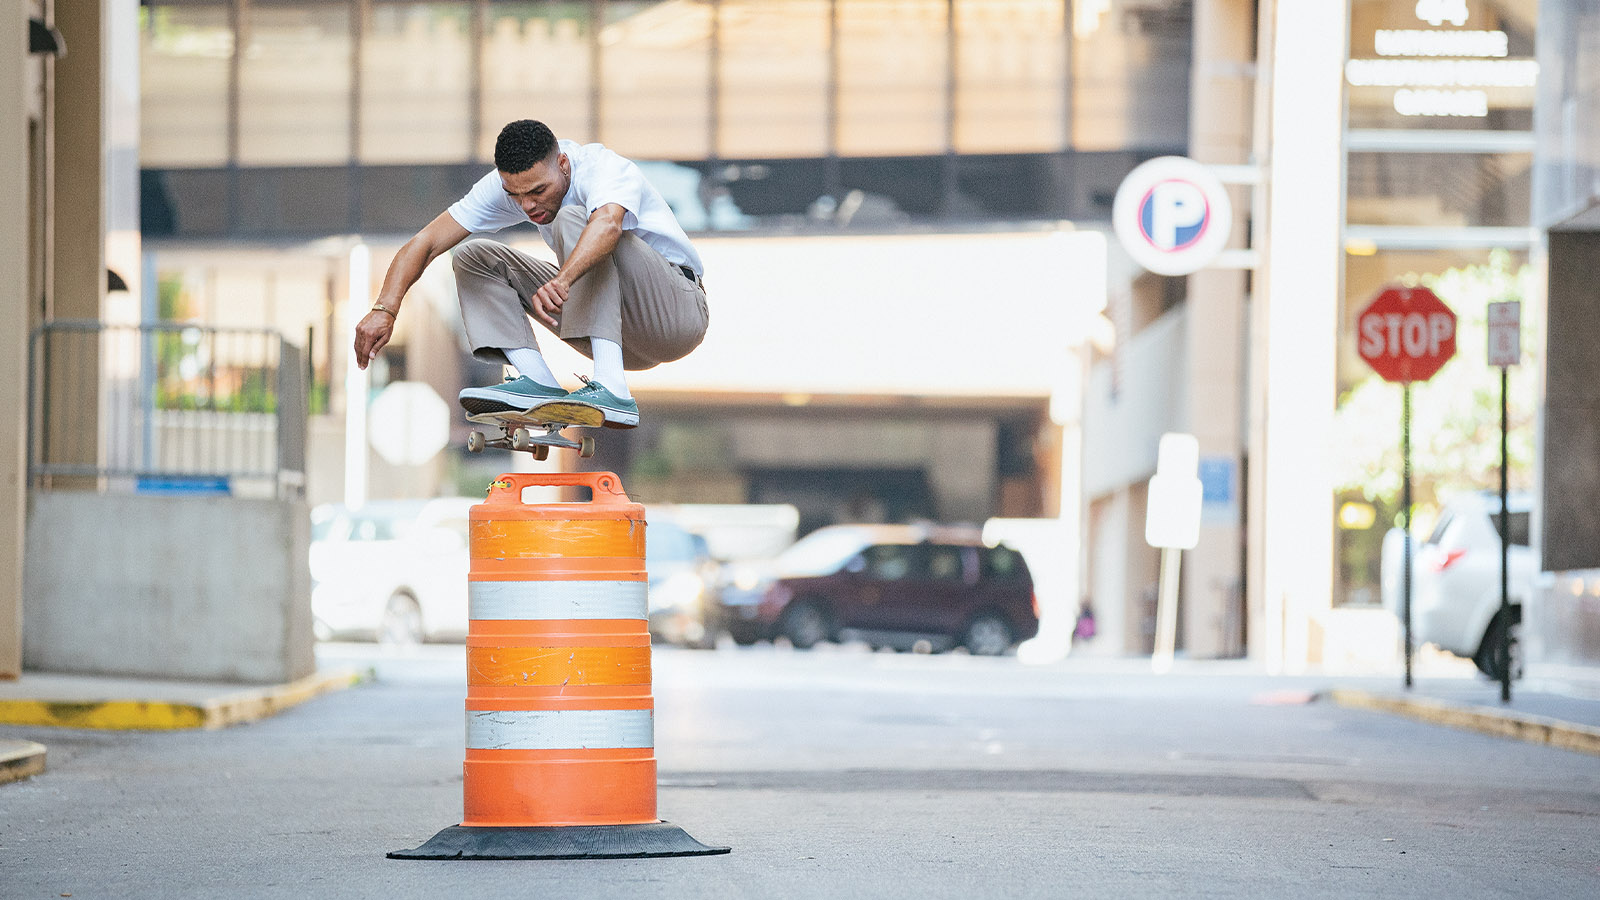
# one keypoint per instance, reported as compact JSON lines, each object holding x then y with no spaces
{"x":356,"y":381}
{"x":1505,"y":350}
{"x":1172,"y":523}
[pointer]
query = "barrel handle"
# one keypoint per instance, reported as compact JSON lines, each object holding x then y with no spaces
{"x":607,"y":487}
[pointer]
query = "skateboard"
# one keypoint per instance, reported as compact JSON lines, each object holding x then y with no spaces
{"x":538,"y":429}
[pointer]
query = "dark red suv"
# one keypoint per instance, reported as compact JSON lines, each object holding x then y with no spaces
{"x":890,"y":585}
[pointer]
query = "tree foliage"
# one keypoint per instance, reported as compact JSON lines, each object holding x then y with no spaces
{"x":1455,"y":416}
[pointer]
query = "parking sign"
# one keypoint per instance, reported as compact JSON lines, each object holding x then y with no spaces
{"x":1505,"y":333}
{"x":1172,"y":215}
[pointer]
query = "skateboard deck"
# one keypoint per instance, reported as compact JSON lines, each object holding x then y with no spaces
{"x":538,"y":429}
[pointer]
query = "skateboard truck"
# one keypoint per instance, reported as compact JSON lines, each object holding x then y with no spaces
{"x":538,"y":429}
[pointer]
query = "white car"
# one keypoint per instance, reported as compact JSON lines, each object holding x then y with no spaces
{"x":1455,"y":582}
{"x":682,"y":584}
{"x":391,"y":570}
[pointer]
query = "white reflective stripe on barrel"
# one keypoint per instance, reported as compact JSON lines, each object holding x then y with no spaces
{"x":560,"y":729}
{"x":557,"y":600}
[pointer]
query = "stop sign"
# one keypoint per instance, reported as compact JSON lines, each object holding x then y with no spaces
{"x":1406,"y":334}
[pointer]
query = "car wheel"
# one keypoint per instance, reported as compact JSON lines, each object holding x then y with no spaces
{"x":988,"y":635}
{"x":805,"y":625}
{"x":402,"y":622}
{"x":1501,"y":647}
{"x":742,"y":637}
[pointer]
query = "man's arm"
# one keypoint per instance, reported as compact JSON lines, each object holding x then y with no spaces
{"x":598,"y":239}
{"x":377,"y":326}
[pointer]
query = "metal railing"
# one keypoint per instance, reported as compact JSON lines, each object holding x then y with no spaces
{"x":166,"y":408}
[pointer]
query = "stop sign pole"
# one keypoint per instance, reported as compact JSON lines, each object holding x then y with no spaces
{"x":1406,"y":334}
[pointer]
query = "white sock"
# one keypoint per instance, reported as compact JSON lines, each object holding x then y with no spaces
{"x":608,"y":366}
{"x":531,"y":363}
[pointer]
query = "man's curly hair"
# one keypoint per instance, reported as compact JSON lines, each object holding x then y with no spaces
{"x":522,"y":144}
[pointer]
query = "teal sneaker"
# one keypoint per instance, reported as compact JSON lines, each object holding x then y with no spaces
{"x":514,"y":394}
{"x":620,"y":413}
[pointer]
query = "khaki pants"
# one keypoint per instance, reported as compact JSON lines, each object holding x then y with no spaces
{"x":635,"y":298}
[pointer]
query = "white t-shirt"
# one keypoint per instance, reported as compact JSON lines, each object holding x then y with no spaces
{"x":599,"y":176}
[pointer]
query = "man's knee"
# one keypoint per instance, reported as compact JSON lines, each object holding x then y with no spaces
{"x":475,"y":257}
{"x":568,"y":224}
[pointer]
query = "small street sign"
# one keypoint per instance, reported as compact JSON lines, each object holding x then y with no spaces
{"x":1505,"y":333}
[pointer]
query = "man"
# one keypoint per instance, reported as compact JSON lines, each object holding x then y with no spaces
{"x":627,"y":292}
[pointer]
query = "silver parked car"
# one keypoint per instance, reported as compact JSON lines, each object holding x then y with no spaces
{"x":391,"y":570}
{"x":1455,"y":582}
{"x":682,"y":578}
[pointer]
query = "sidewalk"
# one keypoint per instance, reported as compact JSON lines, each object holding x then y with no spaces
{"x":1537,"y":713}
{"x":143,"y":704}
{"x":149,"y":704}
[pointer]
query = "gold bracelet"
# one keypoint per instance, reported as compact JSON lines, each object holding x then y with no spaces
{"x":377,"y":306}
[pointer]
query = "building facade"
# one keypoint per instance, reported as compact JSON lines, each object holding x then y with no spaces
{"x":285,"y":148}
{"x":1563,"y":631}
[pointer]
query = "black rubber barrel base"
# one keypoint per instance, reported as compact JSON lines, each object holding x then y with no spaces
{"x":560,"y":842}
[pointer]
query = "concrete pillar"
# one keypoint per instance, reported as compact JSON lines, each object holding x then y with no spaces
{"x":17,"y":91}
{"x":1220,"y":91}
{"x":1296,"y":306}
{"x":78,"y":257}
{"x":80,"y":194}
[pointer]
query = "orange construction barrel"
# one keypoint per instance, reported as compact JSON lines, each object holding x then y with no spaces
{"x":560,"y":721}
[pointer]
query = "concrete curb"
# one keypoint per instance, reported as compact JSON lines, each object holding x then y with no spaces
{"x":20,"y":759}
{"x":161,"y":715}
{"x":1483,"y":719}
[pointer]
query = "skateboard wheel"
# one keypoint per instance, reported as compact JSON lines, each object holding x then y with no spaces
{"x":475,"y":442}
{"x":586,"y":447}
{"x":541,"y":452}
{"x":522,"y":440}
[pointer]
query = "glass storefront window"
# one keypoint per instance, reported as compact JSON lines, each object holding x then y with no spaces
{"x":655,"y":61}
{"x":1130,"y":74}
{"x":294,"y":84}
{"x":893,"y":71}
{"x":1568,"y":140}
{"x":1439,"y":189}
{"x":1407,"y":72}
{"x":537,"y":64}
{"x":1010,"y":76}
{"x":774,"y":79}
{"x":415,"y":83}
{"x":185,"y":54}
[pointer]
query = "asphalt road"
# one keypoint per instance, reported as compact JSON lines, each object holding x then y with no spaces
{"x":839,"y":774}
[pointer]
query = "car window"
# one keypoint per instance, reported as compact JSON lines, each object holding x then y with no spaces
{"x":944,"y":563}
{"x":328,"y":525}
{"x":1438,"y":530}
{"x":819,"y":553}
{"x":1519,"y":527}
{"x":668,"y":542}
{"x":1002,"y":563}
{"x":889,"y":562}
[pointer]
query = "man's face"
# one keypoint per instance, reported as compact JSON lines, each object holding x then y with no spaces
{"x":539,"y":190}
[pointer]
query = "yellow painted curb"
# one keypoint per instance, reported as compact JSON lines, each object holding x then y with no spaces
{"x":156,"y":715}
{"x":1482,"y":719}
{"x":20,"y":759}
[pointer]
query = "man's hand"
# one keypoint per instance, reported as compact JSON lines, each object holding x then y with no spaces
{"x":598,"y":238}
{"x":372,"y":333}
{"x":547,"y":301}
{"x":377,"y":327}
